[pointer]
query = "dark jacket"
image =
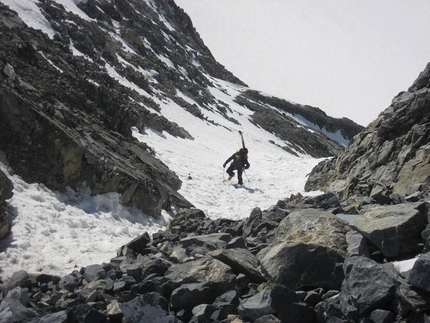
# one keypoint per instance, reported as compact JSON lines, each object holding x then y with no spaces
{"x":240,"y":159}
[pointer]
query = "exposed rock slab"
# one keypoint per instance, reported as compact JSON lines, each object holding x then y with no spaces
{"x":394,"y":229}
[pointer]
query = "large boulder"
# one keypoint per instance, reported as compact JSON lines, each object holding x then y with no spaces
{"x":241,"y":261}
{"x":367,"y":286}
{"x":298,"y":265}
{"x":315,"y":227}
{"x":394,"y":229}
{"x":279,"y":300}
{"x":420,"y":274}
{"x":14,"y":307}
{"x":308,"y":247}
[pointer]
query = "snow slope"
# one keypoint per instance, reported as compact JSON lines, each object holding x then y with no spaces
{"x":55,"y":233}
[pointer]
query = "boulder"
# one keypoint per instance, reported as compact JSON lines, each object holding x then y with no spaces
{"x":12,"y":310}
{"x":367,"y":286}
{"x":357,"y":244}
{"x":316,"y":227}
{"x":258,"y":305}
{"x":298,"y":265}
{"x":205,"y":270}
{"x":150,"y":307}
{"x":420,"y":273}
{"x":241,"y":261}
{"x":394,"y":229}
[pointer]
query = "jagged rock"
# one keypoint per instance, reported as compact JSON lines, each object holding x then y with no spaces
{"x":315,"y":227}
{"x":227,"y":301}
{"x":367,"y":286}
{"x":241,"y":261}
{"x":186,"y":216}
{"x":389,"y":156}
{"x":94,"y":272}
{"x":12,"y":310}
{"x":207,"y":270}
{"x":258,"y":305}
{"x":394,"y":229}
{"x":277,"y":300}
{"x":212,"y":241}
{"x":357,"y":244}
{"x":300,"y":139}
{"x":412,"y":299}
{"x":18,"y":278}
{"x":137,"y":245}
{"x":420,"y":274}
{"x":287,"y":306}
{"x":207,"y":312}
{"x":382,"y":316}
{"x":6,"y":193}
{"x":297,"y":265}
{"x":150,"y":307}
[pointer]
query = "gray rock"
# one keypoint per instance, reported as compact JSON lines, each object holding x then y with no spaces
{"x":150,"y":307}
{"x":389,"y":156}
{"x":200,"y":271}
{"x":367,"y":286}
{"x":18,"y":278}
{"x":394,"y":229}
{"x":241,"y":261}
{"x":258,"y":305}
{"x":212,"y":241}
{"x":312,"y":226}
{"x":412,"y":299}
{"x":6,"y":193}
{"x":298,"y":265}
{"x":382,"y":316}
{"x":13,"y":311}
{"x":94,"y":272}
{"x":227,"y":301}
{"x":357,"y":244}
{"x":420,"y":274}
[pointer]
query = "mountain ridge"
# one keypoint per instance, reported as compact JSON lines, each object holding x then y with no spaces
{"x":112,"y":77}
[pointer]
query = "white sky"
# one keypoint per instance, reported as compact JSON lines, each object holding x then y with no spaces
{"x":56,"y":233}
{"x":347,"y":57}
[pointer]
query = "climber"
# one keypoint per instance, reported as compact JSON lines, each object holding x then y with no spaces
{"x":239,"y":162}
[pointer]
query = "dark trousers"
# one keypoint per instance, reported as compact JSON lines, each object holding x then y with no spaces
{"x":230,"y":172}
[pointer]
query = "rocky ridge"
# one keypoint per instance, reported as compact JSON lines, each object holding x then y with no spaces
{"x":390,"y":156}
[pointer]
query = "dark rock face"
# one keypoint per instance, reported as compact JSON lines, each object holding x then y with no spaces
{"x":390,"y":156}
{"x":60,"y":129}
{"x":285,"y":127}
{"x":6,"y":188}
{"x":281,"y":123}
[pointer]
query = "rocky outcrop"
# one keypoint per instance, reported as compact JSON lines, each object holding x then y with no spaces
{"x":60,"y":129}
{"x":6,"y":193}
{"x":280,"y":117}
{"x":298,"y":261}
{"x":390,"y":156}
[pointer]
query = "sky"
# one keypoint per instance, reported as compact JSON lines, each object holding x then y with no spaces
{"x":56,"y":233}
{"x":347,"y":57}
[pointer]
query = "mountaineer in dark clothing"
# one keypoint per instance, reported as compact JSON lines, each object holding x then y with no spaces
{"x":239,"y":162}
